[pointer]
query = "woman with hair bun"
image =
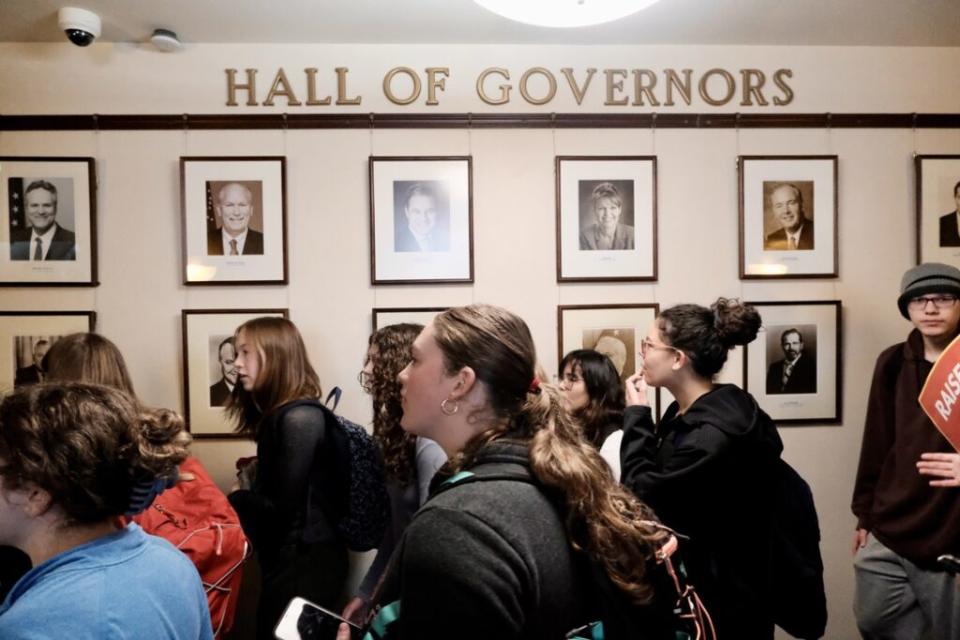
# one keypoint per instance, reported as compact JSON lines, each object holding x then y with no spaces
{"x":593,"y":394}
{"x":504,"y":548}
{"x":70,"y":458}
{"x":706,"y":469}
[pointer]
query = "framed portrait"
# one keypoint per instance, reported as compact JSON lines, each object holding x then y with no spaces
{"x":615,"y":330}
{"x":606,"y":218}
{"x":938,"y":209}
{"x":234,"y":220}
{"x":209,"y":374}
{"x":386,"y":316}
{"x":788,"y":216}
{"x":48,"y":235}
{"x":25,"y":338}
{"x":793,"y":368}
{"x":421,"y":219}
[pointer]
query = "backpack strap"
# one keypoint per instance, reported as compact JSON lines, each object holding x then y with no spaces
{"x":335,"y":393}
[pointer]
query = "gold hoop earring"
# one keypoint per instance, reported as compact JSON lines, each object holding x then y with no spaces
{"x":447,"y":411}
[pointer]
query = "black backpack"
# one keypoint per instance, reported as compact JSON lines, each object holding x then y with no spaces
{"x":797,"y":594}
{"x":348,"y":483}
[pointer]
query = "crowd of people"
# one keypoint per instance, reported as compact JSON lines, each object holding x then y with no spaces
{"x":517,"y":508}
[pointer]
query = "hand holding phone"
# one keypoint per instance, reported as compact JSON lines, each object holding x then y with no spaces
{"x":304,"y":620}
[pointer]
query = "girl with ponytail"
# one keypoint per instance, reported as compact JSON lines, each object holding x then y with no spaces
{"x":509,"y":556}
{"x":707,"y":467}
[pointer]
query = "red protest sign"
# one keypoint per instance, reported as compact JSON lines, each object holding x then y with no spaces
{"x":940,"y":396}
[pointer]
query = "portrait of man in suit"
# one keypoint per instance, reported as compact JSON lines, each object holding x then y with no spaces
{"x":42,"y":238}
{"x":421,"y":217}
{"x":230,"y":234}
{"x":221,"y":390}
{"x":797,"y":371}
{"x":950,"y":222}
{"x":33,"y":373}
{"x":796,"y":229}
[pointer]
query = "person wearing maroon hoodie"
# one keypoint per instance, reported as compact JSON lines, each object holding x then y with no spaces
{"x":905,"y":520}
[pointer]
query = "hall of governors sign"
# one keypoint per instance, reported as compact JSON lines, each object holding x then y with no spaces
{"x":535,"y":85}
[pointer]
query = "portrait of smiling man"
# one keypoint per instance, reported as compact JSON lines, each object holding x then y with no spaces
{"x":421,"y":217}
{"x":42,"y":238}
{"x":796,"y":229}
{"x":231,"y":234}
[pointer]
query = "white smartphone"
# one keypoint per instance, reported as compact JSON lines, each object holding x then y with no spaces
{"x":304,"y":620}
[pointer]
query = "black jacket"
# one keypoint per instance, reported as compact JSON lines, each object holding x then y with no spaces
{"x":708,"y":474}
{"x":487,"y":560}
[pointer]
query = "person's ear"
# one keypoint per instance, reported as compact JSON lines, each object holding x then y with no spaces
{"x":464,"y":381}
{"x":679,"y":360}
{"x":30,"y":498}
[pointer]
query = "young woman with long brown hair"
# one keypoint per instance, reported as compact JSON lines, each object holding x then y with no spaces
{"x":410,"y":461}
{"x":707,"y":468}
{"x":275,"y":404}
{"x":506,"y":557}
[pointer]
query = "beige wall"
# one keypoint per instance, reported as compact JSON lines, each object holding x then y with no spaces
{"x":329,"y":295}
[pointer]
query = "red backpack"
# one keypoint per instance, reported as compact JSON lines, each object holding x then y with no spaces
{"x":196,"y":517}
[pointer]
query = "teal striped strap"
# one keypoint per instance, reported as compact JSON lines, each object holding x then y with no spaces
{"x":595,"y":629}
{"x":463,"y":475}
{"x":385,"y":617}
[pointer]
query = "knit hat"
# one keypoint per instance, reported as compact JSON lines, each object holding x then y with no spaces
{"x":929,"y":277}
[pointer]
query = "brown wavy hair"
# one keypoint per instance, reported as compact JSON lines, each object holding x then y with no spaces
{"x":87,"y":357}
{"x":86,"y":445}
{"x":285,"y":373}
{"x":705,"y":335}
{"x":603,"y":519}
{"x":393,"y":344}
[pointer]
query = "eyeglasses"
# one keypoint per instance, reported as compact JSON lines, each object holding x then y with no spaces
{"x":647,"y":344}
{"x":940,"y":302}
{"x":364,"y":379}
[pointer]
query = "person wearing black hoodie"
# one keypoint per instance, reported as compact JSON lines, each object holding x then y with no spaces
{"x":707,"y":468}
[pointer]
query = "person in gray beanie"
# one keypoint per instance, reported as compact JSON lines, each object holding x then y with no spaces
{"x":905,"y":519}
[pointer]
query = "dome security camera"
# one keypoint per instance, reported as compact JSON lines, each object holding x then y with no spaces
{"x":81,"y":26}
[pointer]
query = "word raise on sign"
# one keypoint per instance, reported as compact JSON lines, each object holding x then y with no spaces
{"x":940,"y":396}
{"x":535,"y":85}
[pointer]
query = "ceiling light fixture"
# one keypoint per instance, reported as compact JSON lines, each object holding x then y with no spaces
{"x":165,"y":40}
{"x":564,"y":13}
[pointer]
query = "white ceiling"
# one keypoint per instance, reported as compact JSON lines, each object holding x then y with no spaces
{"x":761,"y":22}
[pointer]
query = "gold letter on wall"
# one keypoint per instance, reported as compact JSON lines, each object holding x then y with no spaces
{"x":250,"y":87}
{"x":578,"y":92}
{"x":281,"y":87}
{"x":673,"y":80}
{"x":705,"y":94}
{"x":312,"y":89}
{"x":504,"y":88}
{"x":551,"y":85}
{"x":342,"y":87}
{"x":615,"y":85}
{"x":779,"y":80}
{"x":388,"y":90}
{"x":433,"y":83}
